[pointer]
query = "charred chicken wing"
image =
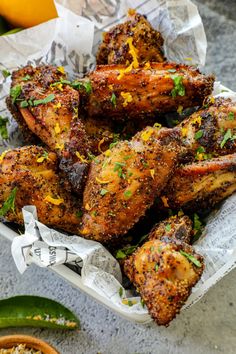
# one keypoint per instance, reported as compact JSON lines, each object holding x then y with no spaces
{"x":30,"y":175}
{"x":201,"y":184}
{"x":146,"y":42}
{"x":164,"y":272}
{"x":143,"y":92}
{"x":124,"y":181}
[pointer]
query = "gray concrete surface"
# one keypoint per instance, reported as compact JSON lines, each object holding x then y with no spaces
{"x":208,"y":327}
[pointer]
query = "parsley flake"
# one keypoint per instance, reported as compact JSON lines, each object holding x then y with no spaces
{"x":24,"y":104}
{"x":191,"y":258}
{"x":103,"y":191}
{"x":3,"y":127}
{"x":9,"y":204}
{"x":15,"y":92}
{"x":45,"y":100}
{"x":26,"y":78}
{"x":6,"y":73}
{"x":168,"y":227}
{"x":179,"y":89}
{"x":121,"y":292}
{"x":113,"y":99}
{"x":198,"y":134}
{"x":79,"y":213}
{"x":231,"y":116}
{"x":127,"y":194}
{"x":156,"y":267}
{"x":228,"y":136}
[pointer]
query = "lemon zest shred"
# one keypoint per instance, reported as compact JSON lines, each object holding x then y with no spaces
{"x":135,"y":64}
{"x":198,"y":120}
{"x":152,"y":173}
{"x":99,"y":145}
{"x":127,"y":98}
{"x":165,"y":201}
{"x":87,"y":206}
{"x":57,"y":128}
{"x":188,"y":59}
{"x":145,"y":136}
{"x":59,"y":146}
{"x":184,"y":132}
{"x":110,"y":87}
{"x":107,"y":153}
{"x":126,"y":302}
{"x":3,"y":155}
{"x":180,"y":109}
{"x":81,"y":157}
{"x":61,"y":69}
{"x":157,"y":125}
{"x":147,"y":66}
{"x":55,"y":201}
{"x":57,"y":106}
{"x":102,"y":181}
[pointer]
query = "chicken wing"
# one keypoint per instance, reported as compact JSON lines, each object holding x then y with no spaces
{"x":144,"y":92}
{"x":123,"y":182}
{"x":44,"y":103}
{"x":32,"y":173}
{"x":146,"y":41}
{"x":210,"y":131}
{"x":178,"y":227}
{"x":164,"y":272}
{"x":201,"y":184}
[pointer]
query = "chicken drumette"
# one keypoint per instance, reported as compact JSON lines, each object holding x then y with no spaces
{"x":29,"y":176}
{"x":147,"y":42}
{"x":164,"y":270}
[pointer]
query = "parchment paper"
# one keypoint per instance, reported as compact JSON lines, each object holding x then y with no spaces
{"x":71,"y":41}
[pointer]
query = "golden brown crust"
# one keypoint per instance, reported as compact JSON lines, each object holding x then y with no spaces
{"x":164,"y":276}
{"x":34,"y":172}
{"x":142,"y":92}
{"x":147,"y":42}
{"x":123,"y":185}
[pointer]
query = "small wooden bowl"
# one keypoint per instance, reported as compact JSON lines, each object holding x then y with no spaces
{"x":31,"y":342}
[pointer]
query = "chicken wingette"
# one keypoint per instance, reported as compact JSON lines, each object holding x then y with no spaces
{"x":44,"y":103}
{"x":164,"y":270}
{"x":211,"y":131}
{"x":143,"y":92}
{"x":201,"y":184}
{"x":136,"y":31}
{"x":123,"y":182}
{"x":29,"y":176}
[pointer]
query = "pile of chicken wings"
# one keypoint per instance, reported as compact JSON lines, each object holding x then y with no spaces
{"x":97,"y":156}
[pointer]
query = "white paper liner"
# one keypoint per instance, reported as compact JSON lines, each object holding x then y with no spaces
{"x":72,"y":41}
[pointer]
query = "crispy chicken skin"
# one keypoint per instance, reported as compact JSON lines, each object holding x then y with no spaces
{"x":206,"y":128}
{"x":164,"y":275}
{"x":147,"y":42}
{"x":34,"y":173}
{"x":56,"y":123}
{"x":124,"y":181}
{"x":178,"y":227}
{"x":201,"y":184}
{"x":145,"y":92}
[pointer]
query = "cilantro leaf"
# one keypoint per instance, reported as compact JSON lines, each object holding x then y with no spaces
{"x":6,"y":73}
{"x":113,"y":99}
{"x":168,"y":227}
{"x":198,"y":134}
{"x":3,"y":127}
{"x":103,"y":191}
{"x":24,"y":104}
{"x":26,"y":78}
{"x":9,"y":204}
{"x":231,"y":116}
{"x":227,"y":136}
{"x":127,"y":194}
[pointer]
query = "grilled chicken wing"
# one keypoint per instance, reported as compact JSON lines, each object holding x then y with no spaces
{"x":164,"y":272}
{"x":33,"y":172}
{"x":123,"y":182}
{"x":178,"y":227}
{"x":210,"y":131}
{"x":48,"y":106}
{"x":143,"y":92}
{"x":146,"y":41}
{"x":201,"y":184}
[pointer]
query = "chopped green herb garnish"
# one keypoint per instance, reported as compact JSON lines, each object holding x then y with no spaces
{"x":94,"y":213}
{"x":103,"y":191}
{"x":24,"y":104}
{"x":168,"y":227}
{"x":26,"y":78}
{"x":127,"y":250}
{"x":152,"y":248}
{"x":231,"y":116}
{"x":3,"y":127}
{"x":156,"y":267}
{"x":145,"y":164}
{"x":227,"y":136}
{"x":9,"y":204}
{"x":121,"y":292}
{"x":79,"y":213}
{"x":191,"y":258}
{"x":197,"y":227}
{"x":142,"y":302}
{"x":45,"y":100}
{"x":15,"y":92}
{"x":198,"y":134}
{"x":6,"y":73}
{"x":179,"y":89}
{"x":130,"y":303}
{"x":113,"y":144}
{"x":88,"y":87}
{"x":119,"y":169}
{"x":120,"y":254}
{"x":113,"y":99}
{"x":127,"y":157}
{"x":127,"y":194}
